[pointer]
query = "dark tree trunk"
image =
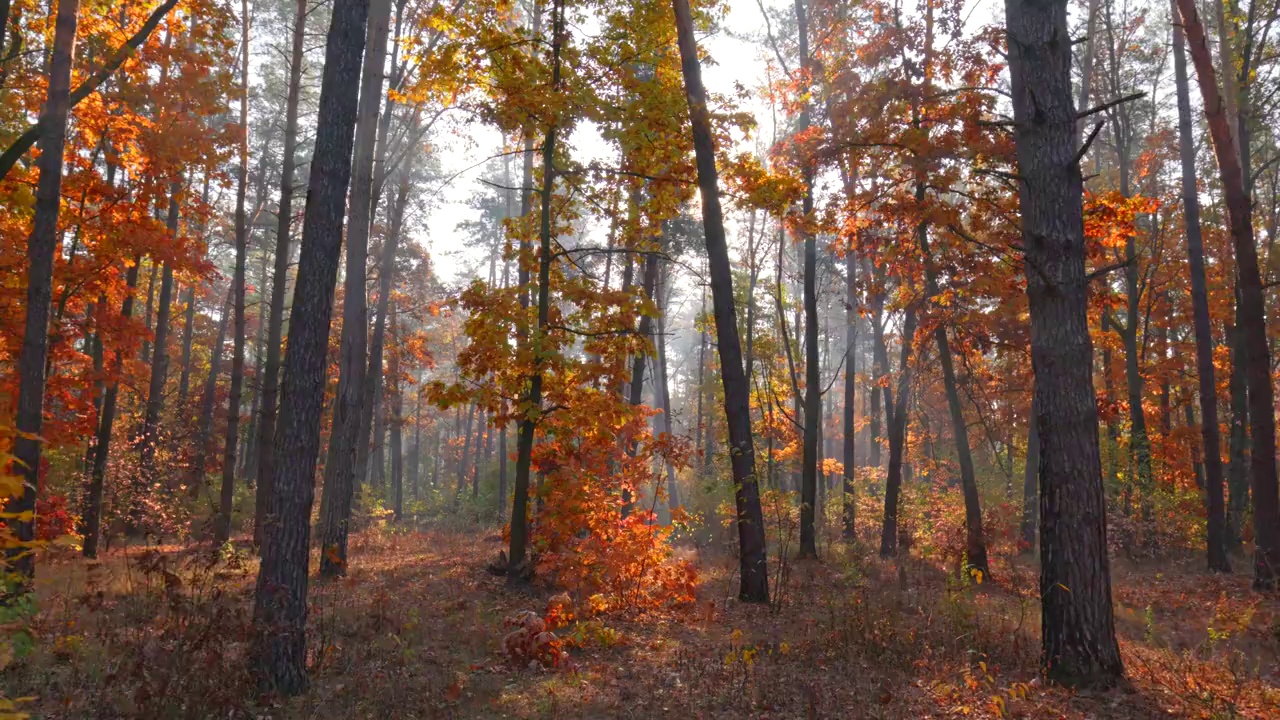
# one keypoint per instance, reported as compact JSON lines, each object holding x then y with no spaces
{"x":147,"y":314}
{"x":1077,"y":625}
{"x":106,"y":419}
{"x":524,"y":442}
{"x":635,"y":393}
{"x":812,"y":377}
{"x":1238,"y":440}
{"x":280,"y":276}
{"x":280,"y":599}
{"x":397,"y":421}
{"x":753,"y":572}
{"x":850,"y":395}
{"x":340,"y":469}
{"x":222,"y":528}
{"x":1257,"y":352}
{"x":159,"y":356}
{"x":188,"y":336}
{"x":1216,"y":541}
{"x":975,"y":542}
{"x":42,"y":248}
{"x":897,"y":439}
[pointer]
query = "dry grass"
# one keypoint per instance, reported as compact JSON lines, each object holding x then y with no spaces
{"x":415,"y":632}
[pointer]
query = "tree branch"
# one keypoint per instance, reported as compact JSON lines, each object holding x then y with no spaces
{"x":28,"y":138}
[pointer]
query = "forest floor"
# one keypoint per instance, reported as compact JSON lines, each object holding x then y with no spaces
{"x":415,"y":631}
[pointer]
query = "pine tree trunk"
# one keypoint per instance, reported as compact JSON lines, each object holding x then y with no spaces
{"x":1216,"y":541}
{"x":340,"y":468}
{"x":1077,"y":625}
{"x":1257,"y":352}
{"x":280,"y":276}
{"x":42,"y":247}
{"x":753,"y":572}
{"x":222,"y":527}
{"x":280,"y":598}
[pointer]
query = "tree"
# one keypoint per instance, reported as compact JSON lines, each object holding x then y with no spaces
{"x":340,"y":469}
{"x":222,"y":527}
{"x":754,"y":579}
{"x":1216,"y":541}
{"x":42,"y":246}
{"x":1252,"y":311}
{"x":280,"y":597}
{"x":279,"y":279}
{"x":1077,"y":626}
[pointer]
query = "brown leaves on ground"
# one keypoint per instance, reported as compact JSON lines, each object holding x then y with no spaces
{"x":416,"y":630}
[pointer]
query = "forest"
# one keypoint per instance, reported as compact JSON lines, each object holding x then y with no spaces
{"x":639,"y":358}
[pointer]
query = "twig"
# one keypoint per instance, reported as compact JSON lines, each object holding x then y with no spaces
{"x":1110,"y":104}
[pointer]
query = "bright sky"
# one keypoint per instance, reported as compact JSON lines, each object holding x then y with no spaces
{"x":737,"y":60}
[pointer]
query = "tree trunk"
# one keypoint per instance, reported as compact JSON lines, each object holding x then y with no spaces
{"x":280,"y":276}
{"x":1216,"y":541}
{"x":146,"y":315}
{"x":1257,"y":355}
{"x":397,"y":421}
{"x":975,"y":542}
{"x":1238,"y":439}
{"x":524,"y":441}
{"x":753,"y":572}
{"x":635,"y":393}
{"x":371,"y":419}
{"x":850,"y":396}
{"x":106,"y":419}
{"x":208,"y":400}
{"x":897,"y":440}
{"x":673,"y":491}
{"x":1077,"y":626}
{"x":340,"y":468}
{"x":280,"y":599}
{"x":160,"y":355}
{"x":222,"y":528}
{"x":42,"y":247}
{"x":188,"y":336}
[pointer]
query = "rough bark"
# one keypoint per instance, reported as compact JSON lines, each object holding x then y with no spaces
{"x":280,"y":275}
{"x":339,"y":469}
{"x":1077,"y":626}
{"x":280,"y":598}
{"x":42,"y":247}
{"x":753,"y":571}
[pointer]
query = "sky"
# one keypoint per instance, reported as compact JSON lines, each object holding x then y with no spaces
{"x":462,"y":151}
